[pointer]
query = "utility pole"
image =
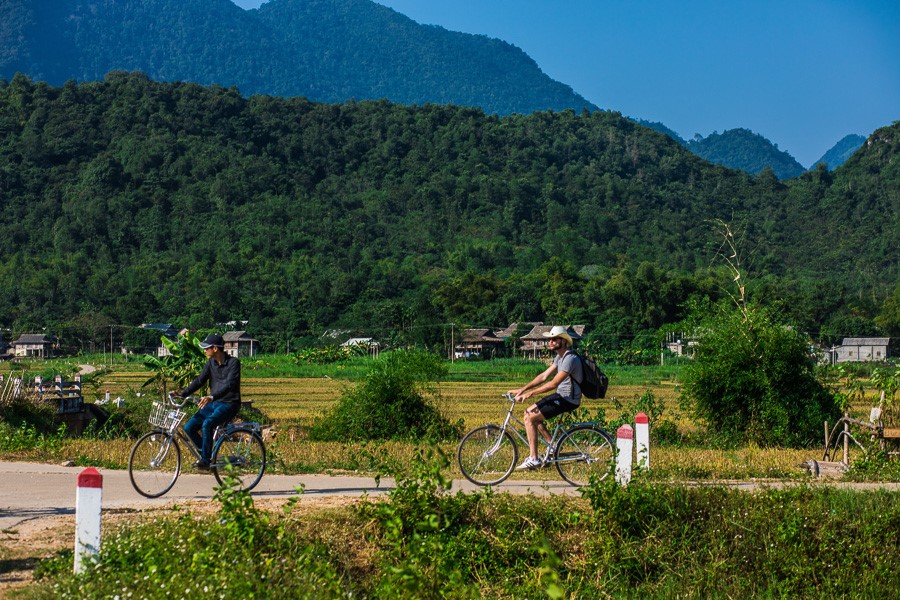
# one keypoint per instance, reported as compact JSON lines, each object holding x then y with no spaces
{"x":452,"y":345}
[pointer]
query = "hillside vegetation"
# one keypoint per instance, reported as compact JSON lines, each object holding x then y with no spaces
{"x":128,"y":201}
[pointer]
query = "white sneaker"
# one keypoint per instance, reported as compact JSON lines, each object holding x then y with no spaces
{"x":529,"y":463}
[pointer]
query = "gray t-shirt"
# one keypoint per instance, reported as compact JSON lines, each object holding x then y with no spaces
{"x":569,"y":388}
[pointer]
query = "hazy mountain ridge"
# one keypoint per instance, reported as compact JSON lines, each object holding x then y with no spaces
{"x":841,"y":151}
{"x":751,"y":152}
{"x":324,"y":50}
{"x":747,"y":151}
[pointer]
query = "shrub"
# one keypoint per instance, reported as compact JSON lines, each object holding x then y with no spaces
{"x":753,"y":379}
{"x":324,"y":355}
{"x":396,"y":400}
{"x":420,"y":526}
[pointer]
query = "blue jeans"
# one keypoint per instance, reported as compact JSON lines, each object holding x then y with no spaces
{"x":208,"y":418}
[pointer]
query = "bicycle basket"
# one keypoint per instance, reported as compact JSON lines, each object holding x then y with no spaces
{"x":165,"y":417}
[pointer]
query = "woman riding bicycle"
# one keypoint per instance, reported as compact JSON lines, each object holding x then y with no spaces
{"x":223,"y":372}
{"x":561,"y":375}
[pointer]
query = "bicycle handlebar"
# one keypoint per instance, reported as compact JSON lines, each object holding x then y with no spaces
{"x":184,"y":400}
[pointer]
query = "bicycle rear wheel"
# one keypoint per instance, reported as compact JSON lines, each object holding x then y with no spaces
{"x":487,"y":455}
{"x":584,"y":451}
{"x":154,"y":464}
{"x":240,"y":454}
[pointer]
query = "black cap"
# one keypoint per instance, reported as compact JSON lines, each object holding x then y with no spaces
{"x":213,"y":339}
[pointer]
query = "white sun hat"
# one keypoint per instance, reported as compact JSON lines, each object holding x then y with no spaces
{"x":558,"y":331}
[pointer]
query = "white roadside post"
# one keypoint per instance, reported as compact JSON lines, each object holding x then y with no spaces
{"x":87,"y":516}
{"x":624,"y":448}
{"x":642,"y":440}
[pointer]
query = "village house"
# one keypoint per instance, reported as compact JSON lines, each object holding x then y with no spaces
{"x":478,"y":342}
{"x":862,"y":349}
{"x":678,"y":345}
{"x":534,"y":344}
{"x":35,"y":345}
{"x":165,"y":329}
{"x":370,"y":344}
{"x":239,"y":344}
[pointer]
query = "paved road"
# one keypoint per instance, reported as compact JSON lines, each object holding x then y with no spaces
{"x":32,"y":490}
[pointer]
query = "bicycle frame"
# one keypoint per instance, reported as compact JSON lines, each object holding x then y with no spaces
{"x":515,"y":426}
{"x":487,"y":455}
{"x":176,"y":433}
{"x":238,"y":453}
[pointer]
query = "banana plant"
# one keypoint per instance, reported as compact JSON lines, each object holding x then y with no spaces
{"x":183,"y":362}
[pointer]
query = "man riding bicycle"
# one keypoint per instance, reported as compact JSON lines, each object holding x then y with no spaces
{"x":562,"y":375}
{"x":223,"y":372}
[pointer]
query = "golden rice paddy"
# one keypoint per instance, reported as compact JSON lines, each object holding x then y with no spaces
{"x":292,"y":405}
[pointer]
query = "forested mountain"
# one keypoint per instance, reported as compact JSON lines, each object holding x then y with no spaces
{"x":840,"y":152}
{"x":324,"y":50}
{"x":128,"y":201}
{"x":742,"y":149}
{"x":662,"y":128}
{"x":750,"y":152}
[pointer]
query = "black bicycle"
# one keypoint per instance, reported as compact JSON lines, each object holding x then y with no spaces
{"x":155,"y":461}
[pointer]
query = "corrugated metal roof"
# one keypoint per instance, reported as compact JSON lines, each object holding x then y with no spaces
{"x":866,"y":341}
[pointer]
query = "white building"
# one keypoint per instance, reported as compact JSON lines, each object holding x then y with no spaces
{"x":864,"y":349}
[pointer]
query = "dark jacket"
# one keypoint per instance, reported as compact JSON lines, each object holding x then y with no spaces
{"x":224,"y":380}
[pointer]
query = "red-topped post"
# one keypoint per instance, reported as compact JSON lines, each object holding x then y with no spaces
{"x":642,"y":440}
{"x":624,"y":449}
{"x":87,"y":516}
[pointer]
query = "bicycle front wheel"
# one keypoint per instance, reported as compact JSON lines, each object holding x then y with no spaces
{"x":487,"y":455}
{"x":240,"y":454}
{"x":154,"y":464}
{"x":582,"y":452}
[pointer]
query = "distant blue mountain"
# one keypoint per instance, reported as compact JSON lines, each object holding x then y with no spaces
{"x":841,"y":151}
{"x":739,"y":149}
{"x":660,"y":127}
{"x":747,"y":151}
{"x":324,"y":50}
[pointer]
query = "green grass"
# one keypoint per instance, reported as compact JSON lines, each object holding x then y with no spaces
{"x":643,"y":541}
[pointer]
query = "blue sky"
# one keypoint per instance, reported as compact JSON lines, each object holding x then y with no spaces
{"x":802,"y":73}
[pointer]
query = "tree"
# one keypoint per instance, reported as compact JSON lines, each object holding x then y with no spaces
{"x":889,"y":317}
{"x":753,"y":378}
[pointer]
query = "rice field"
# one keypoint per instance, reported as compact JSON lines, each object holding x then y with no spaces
{"x":472,"y":393}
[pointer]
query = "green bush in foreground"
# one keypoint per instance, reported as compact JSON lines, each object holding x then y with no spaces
{"x":242,"y":553}
{"x":643,"y":541}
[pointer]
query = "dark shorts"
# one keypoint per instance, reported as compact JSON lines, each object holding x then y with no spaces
{"x":554,"y":405}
